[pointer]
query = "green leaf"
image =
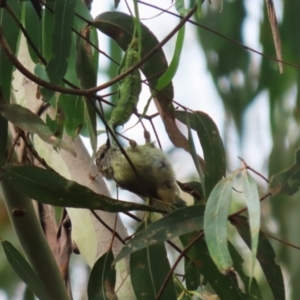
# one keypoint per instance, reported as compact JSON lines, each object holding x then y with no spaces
{"x":148,"y":270}
{"x":37,"y":6}
{"x":28,"y":121}
{"x":86,"y":70}
{"x":225,"y":286}
{"x":85,"y":67}
{"x":61,"y":40}
{"x":215,"y":223}
{"x":49,"y":187}
{"x":33,"y":26}
{"x":212,"y":145}
{"x":73,"y":111}
{"x":11,"y":32}
{"x":265,"y":255}
{"x":177,"y":223}
{"x":251,"y":195}
{"x":180,"y":7}
{"x":199,"y":10}
{"x":90,"y":123}
{"x":3,"y":139}
{"x":167,"y":77}
{"x":194,"y":154}
{"x":102,"y":279}
{"x":287,"y":182}
{"x":48,"y":23}
{"x":24,"y":270}
{"x":192,"y":275}
{"x":81,"y":10}
{"x":60,"y":43}
{"x":250,"y":284}
{"x":40,"y":71}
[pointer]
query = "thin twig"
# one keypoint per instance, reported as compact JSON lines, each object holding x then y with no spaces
{"x":181,"y":255}
{"x":116,"y":234}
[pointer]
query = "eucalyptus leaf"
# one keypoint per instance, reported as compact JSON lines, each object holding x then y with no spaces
{"x":177,"y":223}
{"x":61,"y":40}
{"x":287,"y":182}
{"x":33,"y":26}
{"x":225,"y":287}
{"x":24,"y":270}
{"x":250,"y":191}
{"x":265,"y":255}
{"x":102,"y":280}
{"x":215,"y":223}
{"x":28,"y":121}
{"x":211,"y":143}
{"x":49,"y":187}
{"x":147,"y":275}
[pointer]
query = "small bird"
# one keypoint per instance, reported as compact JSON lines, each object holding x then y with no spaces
{"x":152,"y":175}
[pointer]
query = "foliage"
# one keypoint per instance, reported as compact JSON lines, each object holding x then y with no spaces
{"x":55,"y":49}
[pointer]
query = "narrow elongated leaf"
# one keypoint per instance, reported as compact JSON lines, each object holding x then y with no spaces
{"x":60,"y":43}
{"x":90,"y":123}
{"x":10,"y":31}
{"x":192,"y":275}
{"x":82,"y":71}
{"x":226,"y":287}
{"x":49,"y":187}
{"x":61,"y":39}
{"x":85,"y":67}
{"x":86,"y":70}
{"x":199,"y":10}
{"x":253,"y":204}
{"x":33,"y":26}
{"x":47,"y":20}
{"x":211,"y":143}
{"x":266,"y":257}
{"x":180,"y":7}
{"x":194,"y":154}
{"x":3,"y":133}
{"x":3,"y":139}
{"x":250,"y":285}
{"x":28,"y":121}
{"x":40,"y":71}
{"x":82,"y":10}
{"x":73,"y":111}
{"x":147,"y":275}
{"x":275,"y":32}
{"x":24,"y":270}
{"x":37,"y":6}
{"x":215,"y":223}
{"x":168,"y":76}
{"x":177,"y":223}
{"x":102,"y":279}
{"x":287,"y":182}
